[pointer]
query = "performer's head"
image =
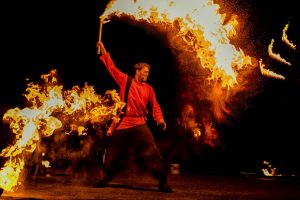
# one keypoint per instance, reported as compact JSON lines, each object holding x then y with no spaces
{"x":141,"y":71}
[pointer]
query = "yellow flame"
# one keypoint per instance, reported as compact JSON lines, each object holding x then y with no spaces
{"x":196,"y":133}
{"x":285,"y":38}
{"x":276,"y":56}
{"x":46,"y":163}
{"x":200,"y":26}
{"x":269,"y":73}
{"x":9,"y":174}
{"x":269,"y":170}
{"x":51,"y":108}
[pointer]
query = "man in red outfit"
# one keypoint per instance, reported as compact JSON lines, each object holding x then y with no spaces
{"x":132,"y":131}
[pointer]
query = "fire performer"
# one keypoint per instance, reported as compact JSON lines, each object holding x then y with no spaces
{"x":132,"y":131}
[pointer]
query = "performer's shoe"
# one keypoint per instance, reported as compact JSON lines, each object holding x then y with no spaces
{"x":101,"y":183}
{"x":164,"y":187}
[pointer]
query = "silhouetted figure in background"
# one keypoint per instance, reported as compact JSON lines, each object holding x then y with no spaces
{"x":183,"y":137}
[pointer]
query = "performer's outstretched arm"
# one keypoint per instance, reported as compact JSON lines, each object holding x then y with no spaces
{"x":117,"y":75}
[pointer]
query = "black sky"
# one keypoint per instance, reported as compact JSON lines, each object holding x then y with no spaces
{"x":37,"y":36}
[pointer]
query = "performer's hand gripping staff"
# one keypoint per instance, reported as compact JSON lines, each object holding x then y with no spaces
{"x":100,"y":34}
{"x":100,"y":46}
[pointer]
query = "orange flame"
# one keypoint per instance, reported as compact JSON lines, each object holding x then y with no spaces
{"x":200,"y":26}
{"x":50,"y":109}
{"x":46,"y":163}
{"x":269,"y":73}
{"x":269,"y":170}
{"x":276,"y":56}
{"x":285,"y":38}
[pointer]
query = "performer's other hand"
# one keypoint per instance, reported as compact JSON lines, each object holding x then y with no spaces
{"x":162,"y":124}
{"x":109,"y":133}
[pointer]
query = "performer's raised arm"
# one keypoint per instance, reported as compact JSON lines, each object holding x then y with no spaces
{"x":118,"y":75}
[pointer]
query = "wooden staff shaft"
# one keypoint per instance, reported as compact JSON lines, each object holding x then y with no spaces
{"x":100,"y":35}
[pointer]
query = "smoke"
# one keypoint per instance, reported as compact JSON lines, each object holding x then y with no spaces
{"x":213,"y":103}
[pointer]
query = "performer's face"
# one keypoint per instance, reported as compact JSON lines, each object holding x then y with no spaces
{"x":143,"y":74}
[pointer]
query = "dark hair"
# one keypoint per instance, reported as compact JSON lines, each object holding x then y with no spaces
{"x":141,"y":65}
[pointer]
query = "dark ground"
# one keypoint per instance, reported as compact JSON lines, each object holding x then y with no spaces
{"x":185,"y":186}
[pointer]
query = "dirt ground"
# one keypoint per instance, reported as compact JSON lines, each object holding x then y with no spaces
{"x":185,"y":186}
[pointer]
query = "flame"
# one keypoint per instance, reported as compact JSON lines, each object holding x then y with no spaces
{"x":199,"y":25}
{"x":196,"y":133}
{"x":269,"y":73}
{"x":269,"y":170}
{"x":9,"y":174}
{"x":46,"y":163}
{"x":51,"y":108}
{"x":285,"y":38}
{"x":276,"y":56}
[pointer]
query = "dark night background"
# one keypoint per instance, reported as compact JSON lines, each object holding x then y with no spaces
{"x":37,"y":36}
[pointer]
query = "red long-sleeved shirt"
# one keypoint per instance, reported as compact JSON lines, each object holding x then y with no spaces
{"x":138,"y":96}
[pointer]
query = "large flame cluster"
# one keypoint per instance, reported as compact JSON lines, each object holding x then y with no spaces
{"x":50,"y":109}
{"x":200,"y":25}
